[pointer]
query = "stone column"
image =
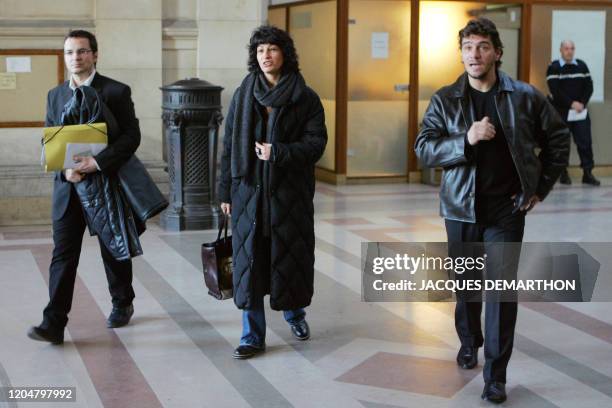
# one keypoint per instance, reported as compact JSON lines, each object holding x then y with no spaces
{"x":130,"y":50}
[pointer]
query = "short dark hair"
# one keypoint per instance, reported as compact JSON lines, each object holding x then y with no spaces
{"x":273,"y":35}
{"x":486,"y":28}
{"x":93,"y":43}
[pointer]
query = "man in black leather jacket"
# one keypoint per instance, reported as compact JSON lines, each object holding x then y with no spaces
{"x":502,"y":147}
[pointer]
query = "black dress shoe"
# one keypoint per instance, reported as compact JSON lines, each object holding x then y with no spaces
{"x":300,"y":330}
{"x":120,"y":316}
{"x":247,"y":351}
{"x":494,"y":392}
{"x":589,"y":178}
{"x":467,"y":357}
{"x":565,"y":178}
{"x":40,"y":334}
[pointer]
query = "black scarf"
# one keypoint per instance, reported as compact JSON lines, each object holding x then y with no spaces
{"x":255,"y":88}
{"x":288,"y":89}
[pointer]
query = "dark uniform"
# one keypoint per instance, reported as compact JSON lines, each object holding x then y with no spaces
{"x":569,"y":82}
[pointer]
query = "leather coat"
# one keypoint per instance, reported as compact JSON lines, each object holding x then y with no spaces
{"x":538,"y":139}
{"x":107,"y":211}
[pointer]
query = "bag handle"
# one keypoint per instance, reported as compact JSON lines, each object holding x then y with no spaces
{"x":45,"y":141}
{"x":222,"y":226}
{"x":99,"y":103}
{"x":91,"y":120}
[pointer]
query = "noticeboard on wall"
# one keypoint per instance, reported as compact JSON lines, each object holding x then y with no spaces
{"x":26,"y":75}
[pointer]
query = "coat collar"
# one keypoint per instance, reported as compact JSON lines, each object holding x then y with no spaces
{"x":97,"y":82}
{"x":66,"y":92}
{"x":460,"y":87}
{"x":572,"y":62}
{"x":87,"y":82}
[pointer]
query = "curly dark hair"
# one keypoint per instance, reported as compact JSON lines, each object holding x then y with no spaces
{"x":485,"y":28}
{"x":93,"y":43}
{"x":273,"y":35}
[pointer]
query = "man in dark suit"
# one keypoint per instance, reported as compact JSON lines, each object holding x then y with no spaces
{"x":80,"y":55}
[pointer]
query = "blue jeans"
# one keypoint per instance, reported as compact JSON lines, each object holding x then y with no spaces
{"x":254,"y":323}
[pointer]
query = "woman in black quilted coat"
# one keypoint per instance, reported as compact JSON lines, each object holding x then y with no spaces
{"x":274,"y":134}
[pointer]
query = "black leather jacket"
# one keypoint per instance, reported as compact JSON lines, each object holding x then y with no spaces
{"x":538,"y":140}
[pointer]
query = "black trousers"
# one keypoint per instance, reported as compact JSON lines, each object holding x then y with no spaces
{"x":67,"y":238}
{"x":581,"y":131}
{"x":495,"y":223}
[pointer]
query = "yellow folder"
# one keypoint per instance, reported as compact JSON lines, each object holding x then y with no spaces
{"x":57,"y":138}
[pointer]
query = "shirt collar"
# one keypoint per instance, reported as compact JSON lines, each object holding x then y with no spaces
{"x":562,"y":62}
{"x":86,"y":83}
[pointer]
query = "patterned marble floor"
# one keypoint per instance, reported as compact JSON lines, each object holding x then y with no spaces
{"x":177,"y":350}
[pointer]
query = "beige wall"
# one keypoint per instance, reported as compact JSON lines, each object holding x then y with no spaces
{"x":130,"y":50}
{"x":179,"y":9}
{"x":223,"y":34}
{"x":180,"y":40}
{"x":57,"y":9}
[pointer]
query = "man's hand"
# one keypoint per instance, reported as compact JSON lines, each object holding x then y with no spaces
{"x":263,"y":150}
{"x":577,"y":106}
{"x":482,"y":130}
{"x":528,"y":206}
{"x":86,"y":164}
{"x":73,"y":176}
{"x":226,"y":208}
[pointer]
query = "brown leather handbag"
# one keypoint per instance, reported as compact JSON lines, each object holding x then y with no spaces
{"x":217,"y":264}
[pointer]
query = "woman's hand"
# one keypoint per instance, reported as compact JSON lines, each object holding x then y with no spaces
{"x":263,"y":150}
{"x":226,"y":208}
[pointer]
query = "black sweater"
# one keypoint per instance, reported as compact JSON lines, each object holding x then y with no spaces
{"x":568,"y":84}
{"x":496,"y":173}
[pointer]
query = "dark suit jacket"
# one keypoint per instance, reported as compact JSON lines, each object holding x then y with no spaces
{"x":123,"y":131}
